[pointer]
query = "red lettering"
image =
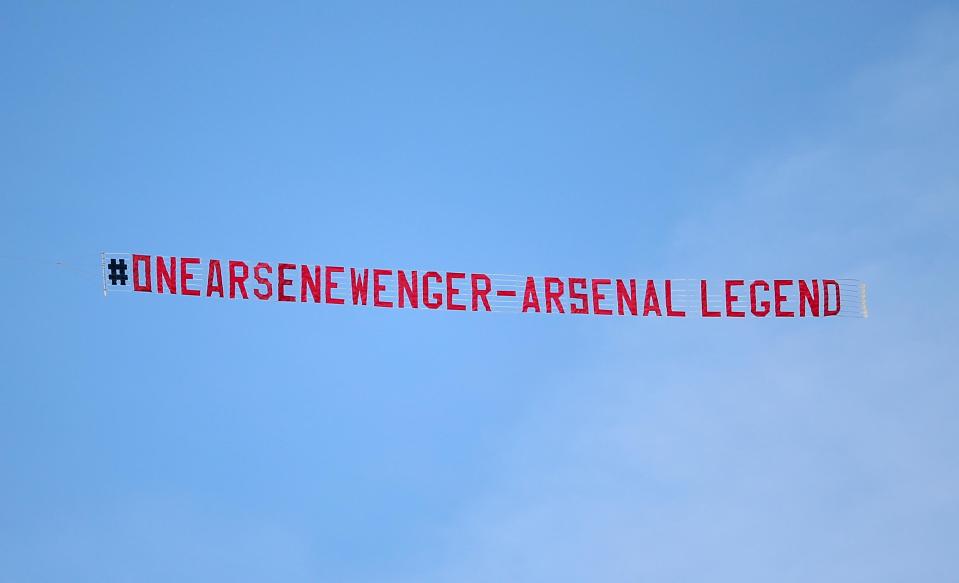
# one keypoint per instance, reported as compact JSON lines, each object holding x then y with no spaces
{"x":332,"y":285}
{"x":452,"y":291}
{"x":669,"y":302}
{"x":311,"y":282}
{"x":282,"y":282}
{"x":731,"y":298}
{"x":752,"y":299}
{"x":166,"y":275}
{"x":186,"y":276}
{"x":554,"y":296}
{"x":582,"y":308}
{"x":238,"y":280}
{"x":379,"y":287}
{"x":598,"y":297}
{"x":480,"y":294}
{"x":626,"y":297}
{"x":778,"y":284}
{"x":263,"y":281}
{"x":436,"y":297}
{"x":707,"y":313}
{"x":137,"y":286}
{"x":359,"y":286}
{"x":826,"y":284}
{"x":651,"y":302}
{"x":530,"y":297}
{"x":214,"y":278}
{"x":407,"y":289}
{"x":807,"y":297}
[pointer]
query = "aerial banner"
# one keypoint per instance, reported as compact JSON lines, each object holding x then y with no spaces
{"x":465,"y":291}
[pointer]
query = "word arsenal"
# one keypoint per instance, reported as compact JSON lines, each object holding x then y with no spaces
{"x":461,"y":291}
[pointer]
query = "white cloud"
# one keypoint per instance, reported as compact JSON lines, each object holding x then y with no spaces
{"x":811,"y":451}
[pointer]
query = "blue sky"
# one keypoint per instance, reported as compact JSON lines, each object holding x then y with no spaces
{"x":157,"y":439}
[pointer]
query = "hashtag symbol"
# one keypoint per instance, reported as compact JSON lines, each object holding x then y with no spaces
{"x":118,"y":272}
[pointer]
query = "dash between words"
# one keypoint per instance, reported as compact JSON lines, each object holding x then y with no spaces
{"x":463,"y":291}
